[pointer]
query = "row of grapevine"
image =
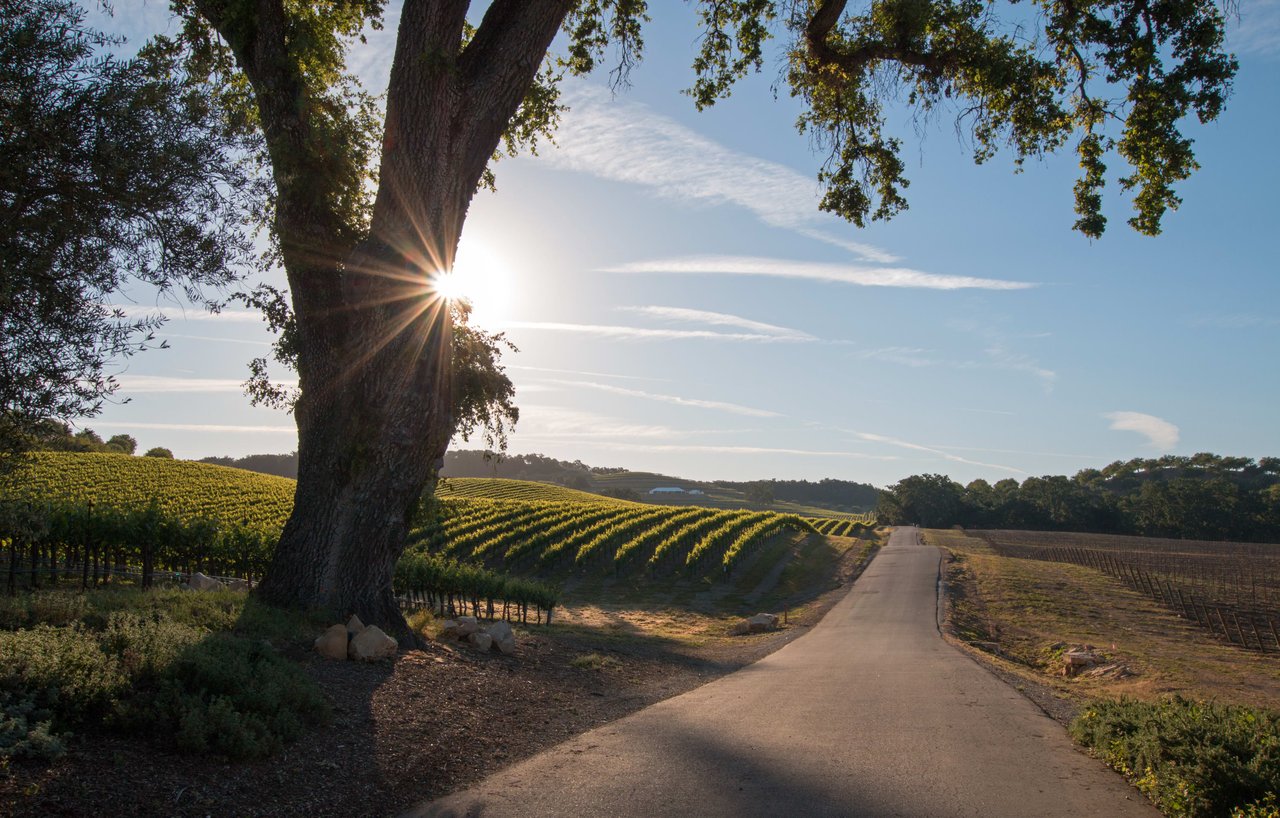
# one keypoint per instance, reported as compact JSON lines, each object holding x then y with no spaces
{"x":751,"y":537}
{"x":843,"y":526}
{"x":451,"y":587}
{"x":93,"y":542}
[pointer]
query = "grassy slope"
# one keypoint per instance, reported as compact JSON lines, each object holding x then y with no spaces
{"x":1031,"y":607}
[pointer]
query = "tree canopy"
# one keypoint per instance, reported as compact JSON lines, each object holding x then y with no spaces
{"x":111,"y":170}
{"x":1205,"y":497}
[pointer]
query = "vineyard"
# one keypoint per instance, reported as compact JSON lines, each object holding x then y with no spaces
{"x":95,"y":518}
{"x":847,"y":526}
{"x":548,"y":537}
{"x":1232,"y":590}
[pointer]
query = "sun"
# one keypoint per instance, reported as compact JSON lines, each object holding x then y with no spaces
{"x":481,"y":277}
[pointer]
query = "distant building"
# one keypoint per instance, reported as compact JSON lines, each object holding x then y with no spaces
{"x":696,"y":491}
{"x":667,"y":490}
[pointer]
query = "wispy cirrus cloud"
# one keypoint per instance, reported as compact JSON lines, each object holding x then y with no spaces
{"x":539,"y":421}
{"x":174,"y":312}
{"x":582,"y":373}
{"x":934,"y":450}
{"x":858,"y":275}
{"x":197,"y":427}
{"x":721,"y":406}
{"x":904,"y":356}
{"x":1257,"y":31}
{"x":699,"y":448}
{"x":623,"y":333}
{"x":167,"y":384}
{"x":719,"y":319}
{"x":1159,"y":432}
{"x":628,"y":142}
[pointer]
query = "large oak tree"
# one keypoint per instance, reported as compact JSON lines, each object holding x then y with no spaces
{"x":1112,"y":79}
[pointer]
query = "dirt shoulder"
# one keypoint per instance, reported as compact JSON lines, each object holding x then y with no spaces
{"x":432,"y":722}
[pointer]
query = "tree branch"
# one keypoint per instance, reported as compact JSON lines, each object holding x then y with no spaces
{"x":824,"y":21}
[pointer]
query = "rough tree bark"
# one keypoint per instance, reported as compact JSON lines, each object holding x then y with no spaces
{"x":373,"y":341}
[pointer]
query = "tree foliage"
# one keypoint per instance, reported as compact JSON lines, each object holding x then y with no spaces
{"x":111,"y":171}
{"x":1202,"y":497}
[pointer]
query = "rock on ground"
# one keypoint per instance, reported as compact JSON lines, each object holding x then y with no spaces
{"x":372,"y":644}
{"x":332,"y":644}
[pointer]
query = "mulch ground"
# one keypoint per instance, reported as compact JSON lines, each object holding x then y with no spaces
{"x":432,"y":722}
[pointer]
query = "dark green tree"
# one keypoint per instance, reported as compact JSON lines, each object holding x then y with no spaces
{"x":111,"y":170}
{"x":372,"y":340}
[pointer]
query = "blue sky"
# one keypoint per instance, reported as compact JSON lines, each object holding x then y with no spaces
{"x":682,"y":306}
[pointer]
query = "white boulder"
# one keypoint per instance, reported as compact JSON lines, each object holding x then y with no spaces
{"x":332,"y":644}
{"x":481,"y":640}
{"x":200,"y":582}
{"x":354,"y":625}
{"x":504,"y":639}
{"x":467,"y":625}
{"x":371,"y":644}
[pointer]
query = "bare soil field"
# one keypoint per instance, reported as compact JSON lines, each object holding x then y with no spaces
{"x":1020,"y":615}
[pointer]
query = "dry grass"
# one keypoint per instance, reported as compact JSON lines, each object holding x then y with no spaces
{"x":1031,"y":608}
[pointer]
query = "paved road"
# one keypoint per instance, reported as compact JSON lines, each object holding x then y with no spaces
{"x":870,"y":714}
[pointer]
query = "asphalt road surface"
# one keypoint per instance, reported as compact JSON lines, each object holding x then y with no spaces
{"x":869,"y":714}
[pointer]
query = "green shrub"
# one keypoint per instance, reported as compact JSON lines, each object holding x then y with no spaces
{"x":144,"y":672}
{"x":63,"y":669}
{"x":1193,"y":759}
{"x":26,"y":729}
{"x":232,"y":695}
{"x":41,"y":607}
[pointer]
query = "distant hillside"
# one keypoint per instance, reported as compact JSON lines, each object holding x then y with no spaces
{"x":798,"y":496}
{"x":499,"y":488}
{"x":281,"y":465}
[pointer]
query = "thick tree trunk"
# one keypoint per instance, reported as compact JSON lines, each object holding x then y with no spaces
{"x":372,"y":342}
{"x":368,"y":445}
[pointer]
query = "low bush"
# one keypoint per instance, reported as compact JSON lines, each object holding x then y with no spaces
{"x":1192,"y":759}
{"x":148,"y":672}
{"x":235,"y":696}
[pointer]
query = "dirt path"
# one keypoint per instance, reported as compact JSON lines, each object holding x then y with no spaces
{"x":869,"y":714}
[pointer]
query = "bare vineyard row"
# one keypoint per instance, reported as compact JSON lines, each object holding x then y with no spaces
{"x":1228,"y":593}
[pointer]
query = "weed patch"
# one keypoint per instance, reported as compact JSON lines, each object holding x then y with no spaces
{"x":1192,"y":759}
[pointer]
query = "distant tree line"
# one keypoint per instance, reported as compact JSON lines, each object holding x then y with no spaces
{"x":55,"y":436}
{"x":1203,"y":497}
{"x":281,"y":465}
{"x":844,"y":495}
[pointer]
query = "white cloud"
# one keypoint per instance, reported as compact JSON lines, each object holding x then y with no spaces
{"x":197,"y":427}
{"x":648,"y":334}
{"x":934,"y":451}
{"x":719,"y":319}
{"x":732,"y":408}
{"x":626,"y":141}
{"x":695,"y":448}
{"x":166,"y":384}
{"x":177,"y":313}
{"x":539,"y":421}
{"x":1159,"y":432}
{"x":1258,"y":29}
{"x":862,"y":276}
{"x":905,"y":356}
{"x":218,"y":340}
{"x":582,"y":373}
